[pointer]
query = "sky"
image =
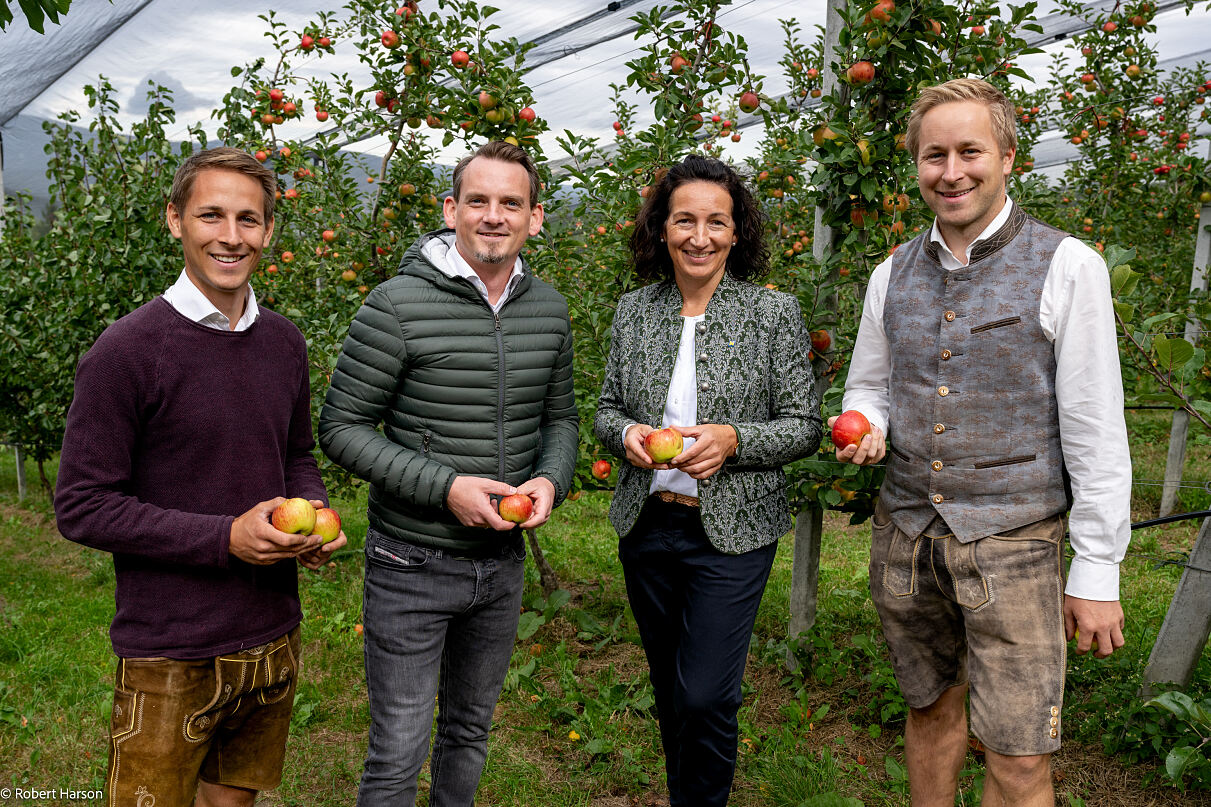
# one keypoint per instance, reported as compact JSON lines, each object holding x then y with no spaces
{"x":173,"y":42}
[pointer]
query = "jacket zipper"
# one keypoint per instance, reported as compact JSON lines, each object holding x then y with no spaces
{"x":500,"y":395}
{"x":425,"y":444}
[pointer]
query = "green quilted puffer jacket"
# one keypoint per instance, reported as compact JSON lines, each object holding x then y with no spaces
{"x":457,"y":390}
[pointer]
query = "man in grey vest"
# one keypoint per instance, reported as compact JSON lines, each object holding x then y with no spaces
{"x":987,"y":354}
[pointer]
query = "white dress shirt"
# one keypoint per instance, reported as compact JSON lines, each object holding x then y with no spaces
{"x":190,"y":302}
{"x":681,"y":408}
{"x":1076,"y":314}
{"x":452,"y":264}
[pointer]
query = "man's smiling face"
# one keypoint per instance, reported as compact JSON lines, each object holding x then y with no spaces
{"x":223,"y":231}
{"x":494,"y":215}
{"x":961,"y":168}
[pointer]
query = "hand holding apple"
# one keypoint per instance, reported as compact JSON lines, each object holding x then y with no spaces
{"x":470,"y":501}
{"x":868,"y":447}
{"x":712,"y":444}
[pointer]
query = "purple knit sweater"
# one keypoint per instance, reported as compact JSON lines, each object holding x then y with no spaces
{"x":176,"y":429}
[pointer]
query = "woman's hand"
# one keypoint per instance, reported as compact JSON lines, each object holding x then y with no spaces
{"x":713,"y":444}
{"x":637,"y":455}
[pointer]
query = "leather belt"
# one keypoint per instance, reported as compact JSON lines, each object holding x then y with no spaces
{"x":676,"y":498}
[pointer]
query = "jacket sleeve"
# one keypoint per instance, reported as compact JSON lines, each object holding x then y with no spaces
{"x":301,"y":472}
{"x":612,"y":416}
{"x":373,"y":359}
{"x":560,"y":425}
{"x":794,"y":428}
{"x":92,"y":504}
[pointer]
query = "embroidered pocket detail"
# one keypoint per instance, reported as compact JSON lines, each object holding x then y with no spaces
{"x":1000,"y":323}
{"x":1007,"y":461}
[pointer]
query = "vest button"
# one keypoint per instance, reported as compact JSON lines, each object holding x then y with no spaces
{"x":946,"y":354}
{"x":938,"y":428}
{"x":936,"y":498}
{"x":950,"y":316}
{"x":943,"y":391}
{"x":705,"y":386}
{"x":700,"y":327}
{"x":702,"y":357}
{"x":936,"y":465}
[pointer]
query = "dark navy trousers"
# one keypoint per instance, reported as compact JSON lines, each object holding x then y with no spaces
{"x":695,"y":608}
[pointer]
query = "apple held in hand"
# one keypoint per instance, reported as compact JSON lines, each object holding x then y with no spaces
{"x":294,"y":516}
{"x":327,"y":524}
{"x":849,"y":428}
{"x":663,"y":444}
{"x":516,"y":508}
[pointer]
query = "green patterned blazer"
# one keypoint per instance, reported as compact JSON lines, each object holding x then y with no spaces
{"x":753,"y":374}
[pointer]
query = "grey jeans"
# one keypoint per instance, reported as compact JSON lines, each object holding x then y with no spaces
{"x":437,"y":627}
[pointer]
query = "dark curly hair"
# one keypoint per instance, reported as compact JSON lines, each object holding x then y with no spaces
{"x":747,"y":260}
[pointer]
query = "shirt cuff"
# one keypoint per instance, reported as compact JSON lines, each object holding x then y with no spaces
{"x":1093,"y":581}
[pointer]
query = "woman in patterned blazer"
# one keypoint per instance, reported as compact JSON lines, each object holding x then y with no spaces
{"x":726,"y":362}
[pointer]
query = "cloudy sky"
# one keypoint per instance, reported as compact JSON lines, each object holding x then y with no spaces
{"x":190,"y":46}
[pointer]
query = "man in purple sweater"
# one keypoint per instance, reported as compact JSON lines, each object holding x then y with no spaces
{"x":191,"y":421}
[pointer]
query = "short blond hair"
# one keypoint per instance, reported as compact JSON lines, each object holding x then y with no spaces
{"x":1000,"y":110}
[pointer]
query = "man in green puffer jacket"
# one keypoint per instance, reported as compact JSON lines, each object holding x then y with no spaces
{"x":464,"y":359}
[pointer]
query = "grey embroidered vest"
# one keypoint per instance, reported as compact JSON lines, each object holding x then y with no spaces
{"x":974,"y":424}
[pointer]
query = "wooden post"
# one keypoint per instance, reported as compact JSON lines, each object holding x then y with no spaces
{"x":805,"y":572}
{"x":1187,"y":623}
{"x":805,"y":575}
{"x":1176,"y":460}
{"x":22,"y":489}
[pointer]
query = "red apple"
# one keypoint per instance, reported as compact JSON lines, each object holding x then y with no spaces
{"x":486,"y":100}
{"x":328,"y":235}
{"x":749,"y":101}
{"x":663,"y":444}
{"x":261,"y":156}
{"x":390,"y":39}
{"x":460,"y":58}
{"x":601,"y":469}
{"x":1110,"y":27}
{"x":307,"y":43}
{"x":527,"y":114}
{"x":860,"y":72}
{"x":821,"y":341}
{"x":324,"y":42}
{"x":321,"y":115}
{"x":294,"y":516}
{"x":849,"y":428}
{"x":882,"y":11}
{"x":516,"y":508}
{"x":327,"y":524}
{"x":275,"y":95}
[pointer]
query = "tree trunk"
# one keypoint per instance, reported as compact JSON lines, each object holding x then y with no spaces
{"x":546,"y":575}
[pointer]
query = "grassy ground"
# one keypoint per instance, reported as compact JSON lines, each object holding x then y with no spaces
{"x":575,"y":724}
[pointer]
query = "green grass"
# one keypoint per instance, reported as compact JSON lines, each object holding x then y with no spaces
{"x":816,"y":738}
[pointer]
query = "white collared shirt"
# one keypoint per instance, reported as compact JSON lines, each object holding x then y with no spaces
{"x":189,"y":301}
{"x":455,"y":265}
{"x":1076,"y":314}
{"x":681,"y":408}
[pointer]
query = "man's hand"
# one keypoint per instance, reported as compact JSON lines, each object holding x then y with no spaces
{"x":637,"y":455}
{"x":254,"y":540}
{"x":713,"y":444}
{"x":315,"y":558}
{"x":468,"y":501}
{"x":542,"y":491}
{"x":868,"y":452}
{"x":1095,"y":624}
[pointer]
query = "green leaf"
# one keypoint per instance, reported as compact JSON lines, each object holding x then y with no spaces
{"x":1123,"y":280}
{"x":1126,"y":311}
{"x":1178,"y":760}
{"x":1172,"y":353}
{"x":1116,"y":256}
{"x":529,"y":624}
